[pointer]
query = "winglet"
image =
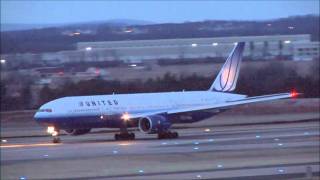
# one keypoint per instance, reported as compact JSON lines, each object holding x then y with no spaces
{"x":228,"y":75}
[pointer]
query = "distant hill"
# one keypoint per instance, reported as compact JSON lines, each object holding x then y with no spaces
{"x":112,"y":22}
{"x":64,"y":37}
{"x":19,"y":27}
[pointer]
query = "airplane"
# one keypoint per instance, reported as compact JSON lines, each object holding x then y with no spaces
{"x":152,"y":113}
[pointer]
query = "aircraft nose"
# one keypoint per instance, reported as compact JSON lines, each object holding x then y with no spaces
{"x":37,"y":117}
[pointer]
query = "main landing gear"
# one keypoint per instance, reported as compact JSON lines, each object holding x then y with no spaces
{"x":54,"y":133}
{"x":168,"y":135}
{"x":124,"y":135}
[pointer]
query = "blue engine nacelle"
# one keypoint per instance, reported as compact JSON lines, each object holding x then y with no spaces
{"x":154,"y":124}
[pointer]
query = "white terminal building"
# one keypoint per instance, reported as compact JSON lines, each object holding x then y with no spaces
{"x":306,"y":50}
{"x":294,"y":47}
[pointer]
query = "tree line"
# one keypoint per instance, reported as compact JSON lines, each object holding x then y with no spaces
{"x":272,"y":78}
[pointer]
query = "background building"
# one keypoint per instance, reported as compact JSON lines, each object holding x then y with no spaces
{"x":291,"y":47}
{"x":306,"y":50}
{"x":257,"y":47}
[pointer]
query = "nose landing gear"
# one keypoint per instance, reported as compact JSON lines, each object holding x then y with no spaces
{"x":56,"y":140}
{"x":54,"y":133}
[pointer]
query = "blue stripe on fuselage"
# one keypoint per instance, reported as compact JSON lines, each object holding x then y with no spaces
{"x":81,"y":122}
{"x":115,"y":121}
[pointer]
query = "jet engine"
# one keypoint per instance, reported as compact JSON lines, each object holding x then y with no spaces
{"x":76,"y":132}
{"x":154,"y":124}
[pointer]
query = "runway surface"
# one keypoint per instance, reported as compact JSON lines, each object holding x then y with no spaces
{"x":284,"y":150}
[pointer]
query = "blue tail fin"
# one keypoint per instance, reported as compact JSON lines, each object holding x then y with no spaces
{"x":228,"y":75}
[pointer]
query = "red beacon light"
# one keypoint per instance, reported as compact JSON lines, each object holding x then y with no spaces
{"x":294,"y":94}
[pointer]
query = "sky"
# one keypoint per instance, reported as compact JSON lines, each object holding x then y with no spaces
{"x":62,"y":12}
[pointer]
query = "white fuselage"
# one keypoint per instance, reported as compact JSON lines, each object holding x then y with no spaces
{"x":128,"y":103}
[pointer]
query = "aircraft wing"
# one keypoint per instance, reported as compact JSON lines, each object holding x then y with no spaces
{"x":216,"y":106}
{"x":234,"y":103}
{"x":144,"y":114}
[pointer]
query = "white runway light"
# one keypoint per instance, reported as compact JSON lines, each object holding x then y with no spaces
{"x":4,"y":140}
{"x":124,"y":144}
{"x":196,"y":143}
{"x":22,"y":178}
{"x":257,"y":136}
{"x":141,"y":171}
{"x":210,"y":140}
{"x":196,"y":148}
{"x":280,"y":144}
{"x":281,"y":170}
{"x":199,"y":176}
{"x":46,"y":155}
{"x":164,"y":143}
{"x":220,"y":166}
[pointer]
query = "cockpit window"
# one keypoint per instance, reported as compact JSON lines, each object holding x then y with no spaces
{"x":45,"y":110}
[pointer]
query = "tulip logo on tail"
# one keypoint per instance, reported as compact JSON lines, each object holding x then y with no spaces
{"x":228,"y":75}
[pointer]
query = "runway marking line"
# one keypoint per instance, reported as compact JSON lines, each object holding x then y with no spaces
{"x":27,"y":145}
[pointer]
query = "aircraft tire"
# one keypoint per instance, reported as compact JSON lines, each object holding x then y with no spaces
{"x":128,"y":136}
{"x":56,"y":140}
{"x":168,"y":135}
{"x":116,"y":137}
{"x":160,"y":136}
{"x":132,"y":136}
{"x":175,"y":135}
